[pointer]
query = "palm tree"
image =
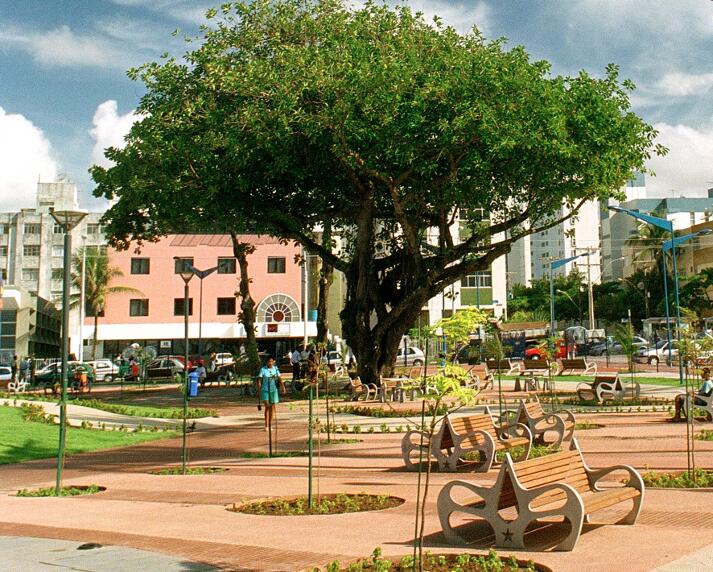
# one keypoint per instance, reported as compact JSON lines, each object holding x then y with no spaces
{"x":97,"y":284}
{"x":648,"y":242}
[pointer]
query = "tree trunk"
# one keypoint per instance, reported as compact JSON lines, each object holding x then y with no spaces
{"x":326,"y":276}
{"x":372,"y":327}
{"x":242,"y":250}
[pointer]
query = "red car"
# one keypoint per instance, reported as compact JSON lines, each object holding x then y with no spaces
{"x":535,"y":352}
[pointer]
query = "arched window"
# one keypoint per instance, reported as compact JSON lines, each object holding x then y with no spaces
{"x":278,"y":308}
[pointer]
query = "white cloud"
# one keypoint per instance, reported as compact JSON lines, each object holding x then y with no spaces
{"x":682,"y":84}
{"x":109,"y":130}
{"x":62,"y":47}
{"x":688,"y":167}
{"x":25,"y":156}
{"x":460,"y":15}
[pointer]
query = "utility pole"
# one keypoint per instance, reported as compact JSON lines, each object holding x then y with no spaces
{"x":592,"y":325}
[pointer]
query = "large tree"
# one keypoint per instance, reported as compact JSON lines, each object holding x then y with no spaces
{"x":297,"y":113}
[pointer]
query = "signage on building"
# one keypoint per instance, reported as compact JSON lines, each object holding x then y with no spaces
{"x":165,"y":344}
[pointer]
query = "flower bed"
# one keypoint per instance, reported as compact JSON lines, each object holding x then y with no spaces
{"x":70,"y":491}
{"x":327,"y":504}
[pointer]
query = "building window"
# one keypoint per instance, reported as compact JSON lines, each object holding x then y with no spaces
{"x":178,"y":306}
{"x":93,"y":228}
{"x":226,"y":306}
{"x":31,"y":250}
{"x":479,"y":280}
{"x":32,"y":228}
{"x":276,"y":265}
{"x":226,"y":265}
{"x":278,"y":308}
{"x":138,"y":307}
{"x":4,"y":229}
{"x":31,"y":274}
{"x":58,"y":229}
{"x":57,"y":274}
{"x":183,"y":265}
{"x":3,"y":250}
{"x":140,"y":265}
{"x":57,"y":250}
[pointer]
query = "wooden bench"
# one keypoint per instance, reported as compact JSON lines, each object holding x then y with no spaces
{"x":607,"y":387}
{"x":580,"y":365}
{"x":458,"y":436}
{"x":560,"y":484}
{"x":504,"y":366}
{"x":561,"y":422}
{"x":366,"y":391}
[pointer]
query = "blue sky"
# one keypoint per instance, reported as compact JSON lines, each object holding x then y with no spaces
{"x":64,"y":94}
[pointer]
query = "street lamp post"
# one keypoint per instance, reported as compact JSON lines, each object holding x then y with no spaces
{"x":186,"y":274}
{"x":669,"y":245}
{"x":201,"y":274}
{"x":80,"y":351}
{"x":554,"y":265}
{"x":68,"y":220}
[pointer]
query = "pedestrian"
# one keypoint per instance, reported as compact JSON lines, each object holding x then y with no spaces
{"x":242,"y":349}
{"x":33,"y":369}
{"x":24,"y":369}
{"x":705,"y":390}
{"x":213,"y":362}
{"x":295,"y":359}
{"x":312,"y":366}
{"x":14,"y":368}
{"x":200,"y":370}
{"x":268,"y":381}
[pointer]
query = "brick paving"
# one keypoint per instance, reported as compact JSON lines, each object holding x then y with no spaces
{"x":186,"y":516}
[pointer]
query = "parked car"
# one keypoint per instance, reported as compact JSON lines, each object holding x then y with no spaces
{"x":104,"y":369}
{"x":413,"y":356}
{"x":656,"y":354}
{"x":534,"y":351}
{"x":52,"y":374}
{"x":614,"y":347}
{"x":5,"y":373}
{"x":224,"y":358}
{"x":163,"y":368}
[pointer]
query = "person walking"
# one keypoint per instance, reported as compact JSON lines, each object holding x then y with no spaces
{"x":295,"y":359}
{"x":268,"y":381}
{"x":13,"y":368}
{"x":24,"y":369}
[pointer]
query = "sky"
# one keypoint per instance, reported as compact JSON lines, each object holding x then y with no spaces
{"x":65,"y":96}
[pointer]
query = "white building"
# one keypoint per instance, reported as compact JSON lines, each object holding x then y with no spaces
{"x":32,"y":244}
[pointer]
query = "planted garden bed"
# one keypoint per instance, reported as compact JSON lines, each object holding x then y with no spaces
{"x":340,"y":503}
{"x":491,"y":562}
{"x":69,"y":491}
{"x":189,"y":471}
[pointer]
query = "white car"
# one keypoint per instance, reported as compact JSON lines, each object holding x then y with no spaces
{"x":105,"y":369}
{"x":413,"y":356}
{"x":5,"y":373}
{"x":224,"y":358}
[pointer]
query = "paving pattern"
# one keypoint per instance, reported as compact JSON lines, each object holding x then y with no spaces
{"x":185,"y":517}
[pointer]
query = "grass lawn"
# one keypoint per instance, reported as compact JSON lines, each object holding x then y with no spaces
{"x":25,"y":440}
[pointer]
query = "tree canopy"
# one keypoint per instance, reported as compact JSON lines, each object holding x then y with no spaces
{"x":297,"y":113}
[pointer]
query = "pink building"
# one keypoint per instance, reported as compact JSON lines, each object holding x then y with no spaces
{"x":155,"y":317}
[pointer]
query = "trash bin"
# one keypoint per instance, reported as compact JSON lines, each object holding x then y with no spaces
{"x":193,"y":379}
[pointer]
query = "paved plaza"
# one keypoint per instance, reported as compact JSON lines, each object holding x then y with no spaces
{"x":181,"y":523}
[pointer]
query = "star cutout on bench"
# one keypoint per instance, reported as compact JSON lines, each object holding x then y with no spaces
{"x":507,"y":535}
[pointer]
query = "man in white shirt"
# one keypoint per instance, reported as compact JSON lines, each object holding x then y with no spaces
{"x":295,"y":358}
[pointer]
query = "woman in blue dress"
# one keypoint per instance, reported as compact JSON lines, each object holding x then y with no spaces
{"x":268,"y":380}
